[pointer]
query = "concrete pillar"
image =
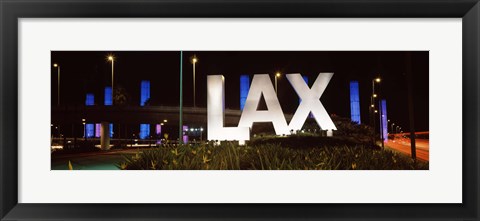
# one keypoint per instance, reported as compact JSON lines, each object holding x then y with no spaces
{"x":105,"y":135}
{"x":329,"y":133}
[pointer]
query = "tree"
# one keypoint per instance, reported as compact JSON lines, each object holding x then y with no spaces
{"x":121,"y":96}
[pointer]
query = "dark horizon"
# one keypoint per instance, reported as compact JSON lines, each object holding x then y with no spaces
{"x":89,"y":72}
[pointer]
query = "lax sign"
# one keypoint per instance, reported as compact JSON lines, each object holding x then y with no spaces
{"x":262,"y":85}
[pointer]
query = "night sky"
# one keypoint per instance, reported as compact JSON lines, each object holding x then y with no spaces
{"x":89,"y":72}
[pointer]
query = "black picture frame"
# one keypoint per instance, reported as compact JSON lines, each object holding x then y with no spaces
{"x":10,"y":11}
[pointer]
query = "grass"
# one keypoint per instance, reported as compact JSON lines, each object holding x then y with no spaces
{"x":272,"y":156}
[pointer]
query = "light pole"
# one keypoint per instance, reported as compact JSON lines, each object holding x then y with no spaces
{"x":58,"y":83}
{"x":112,"y":59}
{"x":393,"y":124}
{"x":84,"y":130}
{"x":372,"y":106}
{"x":277,"y":75}
{"x":388,"y":122}
{"x":180,"y":117}
{"x":194,"y":61}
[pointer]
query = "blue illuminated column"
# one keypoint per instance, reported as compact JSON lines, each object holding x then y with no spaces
{"x":144,"y":97}
{"x":354,"y":102}
{"x":305,"y":78}
{"x":244,"y":88}
{"x":108,"y":101}
{"x":383,"y":119}
{"x":144,"y":131}
{"x":89,"y":128}
{"x":144,"y":92}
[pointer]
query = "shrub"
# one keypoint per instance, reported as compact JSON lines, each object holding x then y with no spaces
{"x":229,"y":156}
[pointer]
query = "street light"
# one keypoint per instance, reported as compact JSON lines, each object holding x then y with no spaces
{"x":112,"y":59}
{"x":58,"y":83}
{"x":165,"y":121}
{"x":277,"y":75}
{"x":194,"y":61}
{"x":372,"y":107}
{"x":84,"y":129}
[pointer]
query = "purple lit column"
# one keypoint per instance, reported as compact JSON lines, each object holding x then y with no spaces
{"x":185,"y":136}
{"x":98,"y":128}
{"x":383,"y":119}
{"x":158,"y":133}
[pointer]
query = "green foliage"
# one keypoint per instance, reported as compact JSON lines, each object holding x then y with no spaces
{"x":348,"y":133}
{"x":309,"y":140}
{"x":230,"y":156}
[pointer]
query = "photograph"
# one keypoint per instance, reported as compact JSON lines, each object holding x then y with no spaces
{"x":239,"y":110}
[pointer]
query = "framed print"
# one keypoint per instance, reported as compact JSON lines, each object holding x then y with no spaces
{"x":239,"y":110}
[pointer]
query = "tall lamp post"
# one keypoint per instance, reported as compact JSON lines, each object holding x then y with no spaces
{"x":373,"y":111}
{"x":194,"y":61}
{"x":84,"y":135}
{"x":388,"y":122}
{"x":277,"y":75}
{"x":162,"y":124}
{"x":112,"y":59}
{"x":180,"y":117}
{"x":58,"y":83}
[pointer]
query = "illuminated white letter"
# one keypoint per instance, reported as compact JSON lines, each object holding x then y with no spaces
{"x":310,"y":102}
{"x":262,"y":85}
{"x":215,"y":109}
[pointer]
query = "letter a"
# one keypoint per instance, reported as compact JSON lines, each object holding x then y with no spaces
{"x":262,"y":85}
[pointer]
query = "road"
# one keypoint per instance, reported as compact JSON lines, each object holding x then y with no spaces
{"x":101,"y":160}
{"x":401,"y":143}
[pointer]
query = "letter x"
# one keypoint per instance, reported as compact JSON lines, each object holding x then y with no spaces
{"x":310,"y":101}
